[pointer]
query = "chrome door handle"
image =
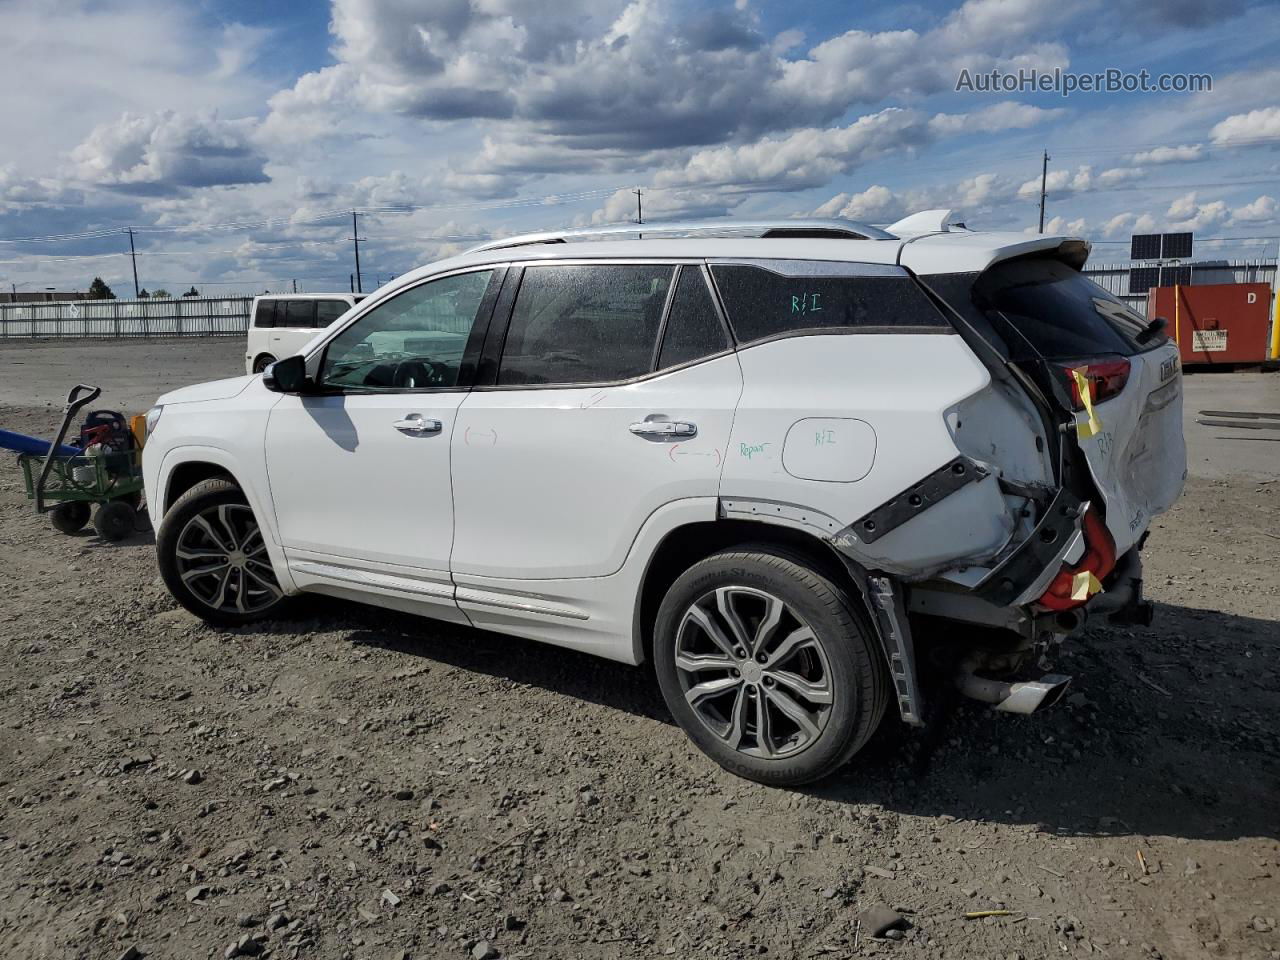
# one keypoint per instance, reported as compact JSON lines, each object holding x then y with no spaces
{"x":417,"y":423}
{"x":664,"y":428}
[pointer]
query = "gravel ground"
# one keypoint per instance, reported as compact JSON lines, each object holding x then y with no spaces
{"x":363,"y":784}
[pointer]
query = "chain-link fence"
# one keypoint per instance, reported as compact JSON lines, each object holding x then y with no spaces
{"x":107,"y":319}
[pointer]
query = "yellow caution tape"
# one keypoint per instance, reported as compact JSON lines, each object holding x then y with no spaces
{"x":1092,"y":425}
{"x":1084,"y":585}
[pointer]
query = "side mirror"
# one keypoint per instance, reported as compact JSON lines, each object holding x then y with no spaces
{"x":286,"y":376}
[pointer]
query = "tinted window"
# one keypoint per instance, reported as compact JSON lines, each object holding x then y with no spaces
{"x":1044,"y":308}
{"x":414,"y":340}
{"x":693,"y":327}
{"x":299,"y":313}
{"x":762,"y":303}
{"x":588,"y":324}
{"x":266,"y":314}
{"x":328,"y":311}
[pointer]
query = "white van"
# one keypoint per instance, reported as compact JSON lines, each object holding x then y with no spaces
{"x":282,"y":325}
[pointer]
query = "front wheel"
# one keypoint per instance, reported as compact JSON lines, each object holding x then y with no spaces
{"x":768,"y":666}
{"x":262,"y":362}
{"x":213,"y":557}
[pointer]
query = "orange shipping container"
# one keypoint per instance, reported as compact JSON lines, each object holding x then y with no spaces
{"x":1216,"y":322}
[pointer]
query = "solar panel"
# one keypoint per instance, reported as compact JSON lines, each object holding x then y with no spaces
{"x":1175,"y":246}
{"x":1144,"y":246}
{"x":1175,"y":275}
{"x":1142,"y":279}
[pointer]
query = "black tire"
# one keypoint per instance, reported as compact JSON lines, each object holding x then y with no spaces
{"x":262,"y":362}
{"x":845,"y":649}
{"x":235,"y":604}
{"x":70,"y":517}
{"x":114,"y":520}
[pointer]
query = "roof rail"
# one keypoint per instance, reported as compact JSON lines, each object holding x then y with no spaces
{"x":811,"y":229}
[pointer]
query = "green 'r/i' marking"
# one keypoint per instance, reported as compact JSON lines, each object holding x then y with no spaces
{"x":806,"y":303}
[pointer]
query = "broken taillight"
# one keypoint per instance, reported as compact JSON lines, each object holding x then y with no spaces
{"x":1099,"y":560}
{"x":1106,"y":378}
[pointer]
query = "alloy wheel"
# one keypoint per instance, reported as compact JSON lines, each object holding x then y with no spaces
{"x":222,"y":558}
{"x":754,"y":672}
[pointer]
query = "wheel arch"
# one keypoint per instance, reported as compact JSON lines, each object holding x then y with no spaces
{"x":687,"y":544}
{"x":187,"y":474}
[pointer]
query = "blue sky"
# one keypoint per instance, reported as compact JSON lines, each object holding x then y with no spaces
{"x":235,"y":137}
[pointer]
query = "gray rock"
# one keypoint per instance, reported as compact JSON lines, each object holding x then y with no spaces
{"x":198,"y":892}
{"x":246,"y":920}
{"x":879,"y":918}
{"x":192,"y":777}
{"x":404,"y":794}
{"x":276,"y":921}
{"x":132,"y":953}
{"x":484,"y":950}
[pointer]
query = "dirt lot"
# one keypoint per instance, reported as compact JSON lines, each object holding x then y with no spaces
{"x":363,"y":784}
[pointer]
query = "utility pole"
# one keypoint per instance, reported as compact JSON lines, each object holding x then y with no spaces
{"x":295,"y":286}
{"x":1044,"y":178}
{"x":133,"y":255}
{"x":639,"y":208}
{"x":355,"y":244}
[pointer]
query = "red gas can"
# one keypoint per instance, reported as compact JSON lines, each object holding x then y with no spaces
{"x":1216,"y":322}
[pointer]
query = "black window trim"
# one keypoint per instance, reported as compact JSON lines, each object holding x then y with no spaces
{"x":495,"y":342}
{"x":471,"y":352}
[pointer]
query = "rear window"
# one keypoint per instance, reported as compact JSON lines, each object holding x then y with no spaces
{"x":762,"y":303}
{"x":265,"y":315}
{"x":1044,"y":308}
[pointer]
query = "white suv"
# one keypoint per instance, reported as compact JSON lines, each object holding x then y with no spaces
{"x":764,"y":456}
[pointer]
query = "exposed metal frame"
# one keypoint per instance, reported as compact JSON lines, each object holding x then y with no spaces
{"x":835,"y":227}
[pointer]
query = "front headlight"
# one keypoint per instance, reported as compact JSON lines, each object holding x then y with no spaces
{"x":153,"y":417}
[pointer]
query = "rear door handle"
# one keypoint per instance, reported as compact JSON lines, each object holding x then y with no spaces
{"x":416,"y":423}
{"x":664,"y":428}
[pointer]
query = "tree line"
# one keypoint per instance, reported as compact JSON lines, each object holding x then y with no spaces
{"x":98,"y":290}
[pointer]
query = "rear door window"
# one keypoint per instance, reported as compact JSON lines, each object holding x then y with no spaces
{"x":1044,"y":308}
{"x":584,"y":324}
{"x":693,"y":329}
{"x":265,"y":315}
{"x":299,"y":313}
{"x":812,"y":298}
{"x":328,"y":311}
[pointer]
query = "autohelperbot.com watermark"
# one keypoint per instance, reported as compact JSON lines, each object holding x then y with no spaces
{"x":1066,"y":83}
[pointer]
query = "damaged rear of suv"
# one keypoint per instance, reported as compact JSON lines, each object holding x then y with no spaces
{"x":805,"y":467}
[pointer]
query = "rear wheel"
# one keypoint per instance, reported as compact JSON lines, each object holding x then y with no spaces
{"x":213,"y":557}
{"x":768,"y":666}
{"x":70,"y":516}
{"x":263,"y":362}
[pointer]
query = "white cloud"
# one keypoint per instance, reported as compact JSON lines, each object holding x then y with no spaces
{"x":641,"y":76}
{"x":1262,"y":210}
{"x":167,"y":151}
{"x":1080,"y":180}
{"x":1188,"y":213}
{"x":1243,"y":129}
{"x":1159,"y":156}
{"x":811,"y":157}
